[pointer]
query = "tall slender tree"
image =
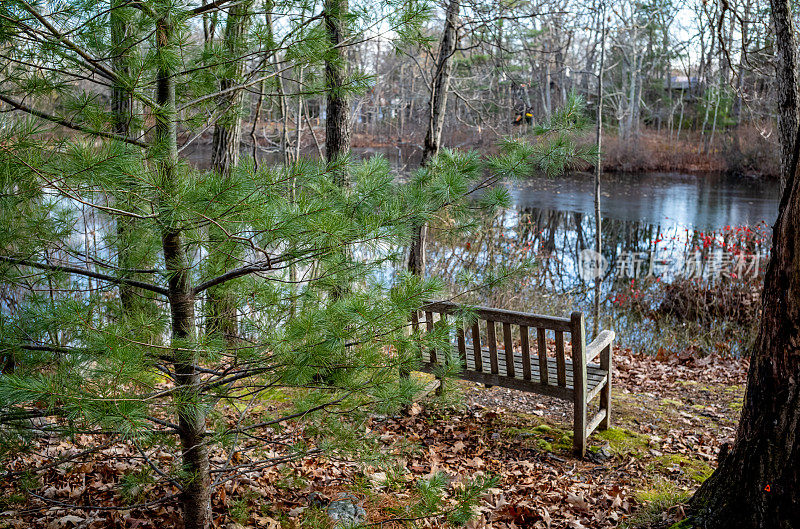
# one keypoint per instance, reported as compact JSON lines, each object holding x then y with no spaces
{"x":598,"y":165}
{"x":221,"y":319}
{"x":437,"y":106}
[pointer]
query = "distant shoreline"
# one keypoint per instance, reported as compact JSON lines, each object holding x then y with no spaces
{"x":736,"y":152}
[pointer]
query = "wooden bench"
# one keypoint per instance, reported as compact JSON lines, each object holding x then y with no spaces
{"x":525,"y":367}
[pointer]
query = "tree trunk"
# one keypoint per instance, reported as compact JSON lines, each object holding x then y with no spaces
{"x":196,"y":477}
{"x":598,"y":171}
{"x":227,"y":138}
{"x":416,"y":254}
{"x":226,"y":149}
{"x":337,"y":120}
{"x":787,"y":85}
{"x":757,"y":484}
{"x":440,"y":85}
{"x":122,"y":111}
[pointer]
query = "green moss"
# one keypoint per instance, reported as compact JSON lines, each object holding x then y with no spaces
{"x":696,"y":469}
{"x":542,"y":436}
{"x":673,"y":402}
{"x":615,"y":434}
{"x":624,"y":442}
{"x":655,"y":501}
{"x":517,"y":432}
{"x":564,"y":443}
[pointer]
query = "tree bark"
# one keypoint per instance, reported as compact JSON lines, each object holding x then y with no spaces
{"x":787,"y":75}
{"x":227,"y":138}
{"x":757,"y":483}
{"x":196,"y":478}
{"x":122,"y":111}
{"x":337,"y":119}
{"x":440,"y":84}
{"x":437,"y":106}
{"x":221,"y":312}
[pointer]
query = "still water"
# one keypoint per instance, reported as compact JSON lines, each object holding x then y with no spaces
{"x":705,"y":202}
{"x":656,"y":222}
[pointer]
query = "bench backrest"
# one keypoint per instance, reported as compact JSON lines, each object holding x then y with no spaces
{"x":531,"y":331}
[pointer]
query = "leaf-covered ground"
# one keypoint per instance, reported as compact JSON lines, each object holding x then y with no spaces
{"x":671,"y":416}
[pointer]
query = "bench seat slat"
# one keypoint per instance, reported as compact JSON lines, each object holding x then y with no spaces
{"x":596,"y":376}
{"x":508,"y":382}
{"x":504,"y":316}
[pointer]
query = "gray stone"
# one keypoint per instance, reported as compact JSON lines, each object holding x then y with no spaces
{"x":346,"y":511}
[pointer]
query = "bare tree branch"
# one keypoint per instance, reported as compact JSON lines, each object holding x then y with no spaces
{"x":74,"y":126}
{"x":262,"y":266}
{"x":87,"y":273}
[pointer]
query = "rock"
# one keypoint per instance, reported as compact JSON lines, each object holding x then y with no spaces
{"x":346,"y":511}
{"x":601,"y":455}
{"x":317,"y":500}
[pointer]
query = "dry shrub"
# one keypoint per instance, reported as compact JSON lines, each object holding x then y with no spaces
{"x":653,"y":151}
{"x":751,"y":152}
{"x":727,"y":299}
{"x":744,"y":150}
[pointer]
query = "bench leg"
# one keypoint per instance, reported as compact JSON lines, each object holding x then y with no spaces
{"x":579,"y":426}
{"x":605,"y":393}
{"x":578,"y":332}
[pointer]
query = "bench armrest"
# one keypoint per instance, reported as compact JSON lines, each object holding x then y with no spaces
{"x":598,"y":344}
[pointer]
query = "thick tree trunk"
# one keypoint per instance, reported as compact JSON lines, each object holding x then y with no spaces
{"x":196,"y":480}
{"x":437,"y":106}
{"x":787,"y":74}
{"x":337,"y":120}
{"x":757,"y":484}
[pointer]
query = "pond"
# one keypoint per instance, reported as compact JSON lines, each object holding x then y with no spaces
{"x":711,"y":229}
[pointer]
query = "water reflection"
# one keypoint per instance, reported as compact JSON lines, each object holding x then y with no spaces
{"x":671,"y":225}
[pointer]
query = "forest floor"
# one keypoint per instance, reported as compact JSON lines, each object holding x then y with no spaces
{"x":670,"y":415}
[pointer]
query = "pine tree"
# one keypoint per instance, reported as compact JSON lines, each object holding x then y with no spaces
{"x":155,"y":375}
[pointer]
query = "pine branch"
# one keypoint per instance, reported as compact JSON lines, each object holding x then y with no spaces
{"x":262,"y":266}
{"x":232,"y":89}
{"x":71,"y":45}
{"x":208,"y":7}
{"x":74,"y":126}
{"x":87,"y":273}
